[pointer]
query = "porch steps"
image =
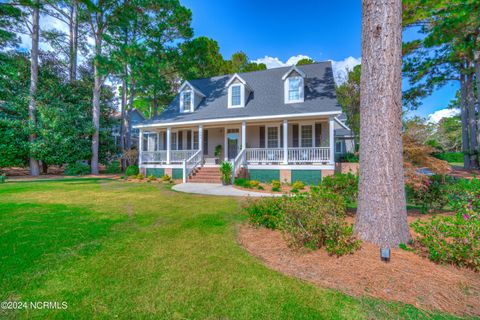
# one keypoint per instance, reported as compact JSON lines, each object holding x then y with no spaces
{"x":206,"y":175}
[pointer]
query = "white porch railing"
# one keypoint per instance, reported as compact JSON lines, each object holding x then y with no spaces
{"x":264,"y":155}
{"x":308,"y":155}
{"x":295,"y":155}
{"x":191,"y":163}
{"x":238,"y":162}
{"x":180,"y":155}
{"x":154,"y":156}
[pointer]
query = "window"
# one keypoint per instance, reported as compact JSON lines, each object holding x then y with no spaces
{"x":236,"y":98}
{"x":294,"y":88}
{"x":186,"y":101}
{"x":306,"y":136}
{"x":195,"y":140}
{"x":272,"y":137}
{"x":338,"y":146}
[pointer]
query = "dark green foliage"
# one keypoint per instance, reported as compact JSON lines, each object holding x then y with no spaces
{"x":305,"y":61}
{"x":3,"y":178}
{"x":132,"y":171}
{"x":76,"y":169}
{"x":226,"y":169}
{"x":433,"y":195}
{"x":114,"y":167}
{"x":349,"y":157}
{"x":242,"y":182}
{"x":454,"y":238}
{"x":313,"y":220}
{"x":348,"y":94}
{"x":450,"y":156}
{"x":345,"y":184}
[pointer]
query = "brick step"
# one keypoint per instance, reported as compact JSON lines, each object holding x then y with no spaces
{"x":213,"y":171}
{"x":204,"y":180}
{"x":206,"y":176}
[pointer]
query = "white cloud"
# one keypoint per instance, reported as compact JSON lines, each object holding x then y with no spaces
{"x":443,"y":113}
{"x":340,"y":68}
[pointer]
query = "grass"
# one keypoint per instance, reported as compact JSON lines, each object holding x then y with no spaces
{"x":138,"y":250}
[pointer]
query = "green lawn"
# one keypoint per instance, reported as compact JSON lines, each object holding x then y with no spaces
{"x":116,"y":249}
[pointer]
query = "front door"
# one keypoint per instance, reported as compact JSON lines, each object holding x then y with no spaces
{"x":232,"y":143}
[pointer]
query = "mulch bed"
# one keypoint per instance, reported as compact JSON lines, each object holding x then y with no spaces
{"x":462,"y":173}
{"x":407,"y":278}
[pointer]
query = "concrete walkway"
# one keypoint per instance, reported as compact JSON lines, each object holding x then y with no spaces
{"x":217,"y":189}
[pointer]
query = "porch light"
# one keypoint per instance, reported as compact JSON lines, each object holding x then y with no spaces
{"x":385,"y":254}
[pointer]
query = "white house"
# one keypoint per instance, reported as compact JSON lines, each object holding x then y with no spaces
{"x":272,"y":124}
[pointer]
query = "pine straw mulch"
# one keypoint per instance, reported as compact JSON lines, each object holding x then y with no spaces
{"x":407,"y":278}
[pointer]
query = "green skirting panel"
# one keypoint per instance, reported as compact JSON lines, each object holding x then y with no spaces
{"x":308,"y":177}
{"x":177,"y":173}
{"x":156,"y":172}
{"x":264,"y":175}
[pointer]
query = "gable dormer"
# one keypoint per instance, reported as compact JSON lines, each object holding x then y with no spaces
{"x":294,"y":85}
{"x":238,"y":91}
{"x":189,"y":97}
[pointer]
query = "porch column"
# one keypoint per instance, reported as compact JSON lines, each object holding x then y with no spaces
{"x":332,"y":140}
{"x":169,"y":131}
{"x":225,"y":145}
{"x":140,"y":147}
{"x":244,"y":135}
{"x":285,"y":141}
{"x":200,"y":139}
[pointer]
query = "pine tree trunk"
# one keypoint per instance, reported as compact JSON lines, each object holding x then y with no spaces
{"x":128,"y":118}
{"x":381,"y":214}
{"x":472,"y":122}
{"x":464,"y":118}
{"x":477,"y":76}
{"x":73,"y":40}
{"x":123,"y":117}
{"x":96,"y":104}
{"x":34,"y":165}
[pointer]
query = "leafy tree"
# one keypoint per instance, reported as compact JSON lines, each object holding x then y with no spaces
{"x":449,"y":134}
{"x":200,"y":58}
{"x":348,"y":95}
{"x":305,"y":61}
{"x":239,"y":62}
{"x":9,"y":18}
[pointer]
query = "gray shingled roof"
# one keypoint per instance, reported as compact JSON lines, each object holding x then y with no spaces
{"x":267,"y":97}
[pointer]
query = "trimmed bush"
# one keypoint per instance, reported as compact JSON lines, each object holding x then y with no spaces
{"x":113,"y":167}
{"x":430,"y":193}
{"x":254,"y":183}
{"x":345,"y":184}
{"x":3,"y":178}
{"x":450,"y":156}
{"x":132,"y":171}
{"x":298,"y":185}
{"x":76,"y":169}
{"x":276,"y":185}
{"x":242,"y":182}
{"x":151,"y":178}
{"x":349,"y":157}
{"x":166,"y":178}
{"x":140,"y":176}
{"x":313,"y":220}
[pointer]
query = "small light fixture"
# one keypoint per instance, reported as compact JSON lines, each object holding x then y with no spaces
{"x":385,"y":254}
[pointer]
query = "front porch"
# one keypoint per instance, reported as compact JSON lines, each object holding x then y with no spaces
{"x":299,"y":143}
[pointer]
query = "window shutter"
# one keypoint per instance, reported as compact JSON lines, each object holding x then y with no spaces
{"x":295,"y":135}
{"x":189,"y":140}
{"x":281,"y":136}
{"x":318,"y":134}
{"x":205,"y":142}
{"x":262,"y":137}
{"x":180,"y":140}
{"x":164,"y":139}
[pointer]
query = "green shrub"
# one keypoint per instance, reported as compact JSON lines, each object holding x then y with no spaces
{"x":132,"y":171}
{"x":312,"y":220}
{"x":450,"y":156}
{"x":349,"y":157}
{"x":76,"y":169}
{"x":432,"y":194}
{"x":254,"y":183}
{"x":166,"y":178}
{"x":456,"y":238}
{"x":293,"y":190}
{"x":113,"y":167}
{"x":265,"y":212}
{"x":298,"y":185}
{"x":226,"y":169}
{"x":242,"y":182}
{"x":140,"y":176}
{"x":345,"y":184}
{"x":260,"y":188}
{"x":276,"y":185}
{"x":3,"y":178}
{"x":151,"y":178}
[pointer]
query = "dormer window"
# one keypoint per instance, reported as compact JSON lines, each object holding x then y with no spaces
{"x":236,"y":95}
{"x":294,"y":85}
{"x":238,"y":91}
{"x":186,"y":101}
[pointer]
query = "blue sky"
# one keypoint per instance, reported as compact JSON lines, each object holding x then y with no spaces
{"x":276,"y":31}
